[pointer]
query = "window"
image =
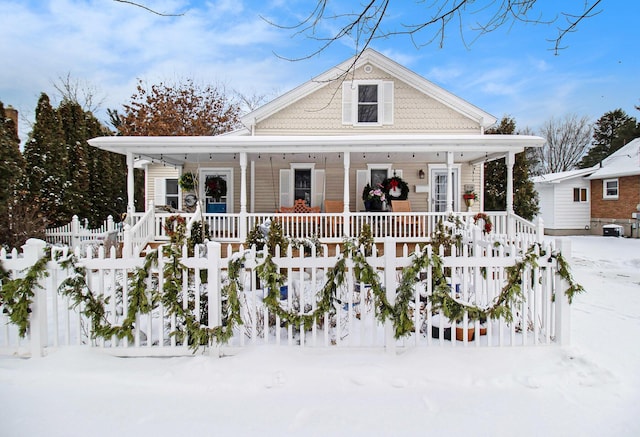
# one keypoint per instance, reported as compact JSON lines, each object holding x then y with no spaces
{"x":579,"y":194}
{"x":302,"y":184}
{"x":367,"y":103}
{"x":610,"y":189}
{"x":171,"y":193}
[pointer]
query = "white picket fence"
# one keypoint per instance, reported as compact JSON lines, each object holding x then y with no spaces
{"x":476,"y":273}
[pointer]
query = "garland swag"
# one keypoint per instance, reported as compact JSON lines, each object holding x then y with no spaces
{"x":16,"y":296}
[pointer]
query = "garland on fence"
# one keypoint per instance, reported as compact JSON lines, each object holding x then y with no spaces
{"x":16,"y":295}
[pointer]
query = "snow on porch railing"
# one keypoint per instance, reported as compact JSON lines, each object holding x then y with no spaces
{"x":77,"y":233}
{"x":476,"y":274}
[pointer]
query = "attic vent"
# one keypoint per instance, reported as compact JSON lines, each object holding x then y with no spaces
{"x":368,"y":68}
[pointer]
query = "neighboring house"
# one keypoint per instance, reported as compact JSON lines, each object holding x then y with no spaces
{"x":615,"y":189}
{"x":364,"y":120}
{"x":576,"y":201}
{"x":565,"y":203}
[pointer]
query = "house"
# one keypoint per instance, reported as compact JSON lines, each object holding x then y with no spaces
{"x":615,"y":189}
{"x":565,"y":204}
{"x":582,"y":201}
{"x":361,"y":122}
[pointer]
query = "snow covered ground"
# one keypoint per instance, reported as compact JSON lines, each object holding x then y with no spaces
{"x":589,"y":389}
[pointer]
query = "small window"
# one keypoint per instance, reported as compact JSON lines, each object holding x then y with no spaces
{"x":378,"y":175}
{"x":579,"y":194}
{"x":302,"y":185}
{"x":171,"y":193}
{"x":610,"y":189}
{"x":367,"y":103}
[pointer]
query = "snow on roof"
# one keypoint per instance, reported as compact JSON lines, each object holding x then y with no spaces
{"x":554,"y":178}
{"x":624,"y":162}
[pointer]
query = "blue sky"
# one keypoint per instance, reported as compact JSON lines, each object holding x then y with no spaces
{"x":106,"y":46}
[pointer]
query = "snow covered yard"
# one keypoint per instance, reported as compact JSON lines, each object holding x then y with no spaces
{"x":589,"y":389}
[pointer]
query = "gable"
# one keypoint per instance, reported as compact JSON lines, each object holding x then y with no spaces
{"x":408,"y":103}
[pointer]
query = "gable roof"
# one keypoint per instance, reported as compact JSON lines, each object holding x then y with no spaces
{"x":556,"y":178}
{"x":623,"y":162}
{"x":370,"y":56}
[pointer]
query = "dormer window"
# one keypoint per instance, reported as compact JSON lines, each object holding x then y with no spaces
{"x":366,"y":103}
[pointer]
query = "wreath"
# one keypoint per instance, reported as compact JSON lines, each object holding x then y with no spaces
{"x":488,"y":226}
{"x":175,"y":227}
{"x":396,"y":188}
{"x":188,"y":181}
{"x":216,"y":187}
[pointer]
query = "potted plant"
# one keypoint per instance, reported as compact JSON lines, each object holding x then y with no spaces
{"x":469,"y":198}
{"x":374,"y":198}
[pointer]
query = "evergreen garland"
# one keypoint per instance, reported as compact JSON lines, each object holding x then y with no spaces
{"x":16,"y":296}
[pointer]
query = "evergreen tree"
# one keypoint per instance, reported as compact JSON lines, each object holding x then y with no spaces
{"x":11,"y":170}
{"x":46,"y":164}
{"x":525,"y":197}
{"x":73,"y":120}
{"x":612,"y":131}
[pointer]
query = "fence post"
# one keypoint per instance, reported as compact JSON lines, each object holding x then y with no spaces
{"x":214,"y":293}
{"x":390,"y":287}
{"x":563,"y":309}
{"x":75,"y":231}
{"x":32,"y":251}
{"x":110,"y":224}
{"x":539,"y":229}
{"x":127,"y":244}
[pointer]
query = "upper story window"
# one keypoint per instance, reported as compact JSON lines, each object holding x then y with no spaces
{"x":580,"y":195}
{"x":367,"y":103}
{"x":610,"y":189}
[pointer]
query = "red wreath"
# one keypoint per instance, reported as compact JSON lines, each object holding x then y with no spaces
{"x":488,"y":226}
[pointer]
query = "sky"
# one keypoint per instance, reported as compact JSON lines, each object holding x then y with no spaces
{"x":589,"y":388}
{"x":105,"y":46}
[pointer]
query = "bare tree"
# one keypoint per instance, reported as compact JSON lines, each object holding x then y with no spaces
{"x":369,"y":21}
{"x":84,"y":94}
{"x":568,"y":139}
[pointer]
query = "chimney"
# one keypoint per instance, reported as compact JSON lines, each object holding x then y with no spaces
{"x":12,"y":113}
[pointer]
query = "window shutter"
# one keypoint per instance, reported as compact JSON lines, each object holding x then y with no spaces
{"x":317,"y":196}
{"x":159,"y":195}
{"x":286,"y":196}
{"x":387,"y":102}
{"x":362,"y":177}
{"x":347,"y":103}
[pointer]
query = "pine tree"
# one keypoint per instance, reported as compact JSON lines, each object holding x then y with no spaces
{"x":46,"y":164}
{"x":525,"y":197}
{"x":611,"y":132}
{"x":11,"y":171}
{"x":73,"y":120}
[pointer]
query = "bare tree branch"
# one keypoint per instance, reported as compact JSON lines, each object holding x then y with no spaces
{"x":147,"y":8}
{"x":366,"y":23}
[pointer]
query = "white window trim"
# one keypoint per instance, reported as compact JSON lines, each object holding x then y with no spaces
{"x":580,"y":195}
{"x":457,"y":171}
{"x":604,"y":188}
{"x":302,"y":166}
{"x":385,"y":103}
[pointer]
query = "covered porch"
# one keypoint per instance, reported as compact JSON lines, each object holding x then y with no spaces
{"x":438,"y":170}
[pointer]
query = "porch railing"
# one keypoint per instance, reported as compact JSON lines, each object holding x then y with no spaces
{"x":405,"y":227}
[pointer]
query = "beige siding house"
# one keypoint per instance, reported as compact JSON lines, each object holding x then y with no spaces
{"x":363,"y":121}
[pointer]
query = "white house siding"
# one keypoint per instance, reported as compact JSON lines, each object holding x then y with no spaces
{"x":155,"y":171}
{"x":559,"y":212}
{"x":321,"y":113}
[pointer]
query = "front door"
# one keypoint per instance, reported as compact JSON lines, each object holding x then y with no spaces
{"x":217,"y":190}
{"x":439,"y":189}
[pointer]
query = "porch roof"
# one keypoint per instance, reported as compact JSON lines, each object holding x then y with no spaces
{"x":182,"y":149}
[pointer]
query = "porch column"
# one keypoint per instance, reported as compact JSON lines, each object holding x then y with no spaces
{"x":130,"y":186}
{"x":510,"y":161}
{"x":243,"y":197}
{"x":345,"y":195}
{"x":449,"y":182}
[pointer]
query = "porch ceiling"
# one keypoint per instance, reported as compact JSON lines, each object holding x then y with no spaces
{"x":362,"y":148}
